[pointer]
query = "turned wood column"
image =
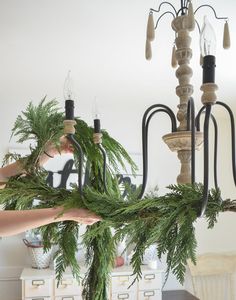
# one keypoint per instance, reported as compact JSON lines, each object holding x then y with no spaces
{"x":180,"y":141}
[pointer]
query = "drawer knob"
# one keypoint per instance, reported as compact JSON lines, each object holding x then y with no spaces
{"x":149,"y":276}
{"x":67,"y":282}
{"x":149,"y":294}
{"x":123,"y":296}
{"x":123,"y":279}
{"x":38,"y":283}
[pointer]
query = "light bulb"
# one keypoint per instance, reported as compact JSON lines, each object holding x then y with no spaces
{"x":96,"y":117}
{"x":68,"y":88}
{"x":207,"y":39}
{"x":68,"y":95}
{"x":95,"y":110}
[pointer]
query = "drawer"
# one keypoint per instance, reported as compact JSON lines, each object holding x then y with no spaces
{"x":38,"y":288}
{"x":150,"y":295}
{"x":124,"y":296}
{"x":150,"y":281}
{"x":68,"y":287}
{"x":121,"y":283}
{"x":69,"y":298}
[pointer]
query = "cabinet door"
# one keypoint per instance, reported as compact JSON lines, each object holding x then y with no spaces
{"x":68,"y":287}
{"x":150,"y":295}
{"x":150,"y":281}
{"x":38,"y":288}
{"x":124,"y":295}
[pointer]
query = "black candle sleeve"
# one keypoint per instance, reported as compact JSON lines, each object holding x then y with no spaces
{"x":209,"y":64}
{"x":97,"y":126}
{"x":69,"y":106}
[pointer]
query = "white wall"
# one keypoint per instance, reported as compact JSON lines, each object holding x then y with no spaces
{"x":102,"y":43}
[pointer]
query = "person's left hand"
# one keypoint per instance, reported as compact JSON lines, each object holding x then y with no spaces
{"x":50,"y":150}
{"x":65,"y":147}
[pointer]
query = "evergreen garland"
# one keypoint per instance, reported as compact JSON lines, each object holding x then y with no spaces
{"x":167,"y":220}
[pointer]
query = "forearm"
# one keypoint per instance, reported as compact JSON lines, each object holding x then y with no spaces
{"x":14,"y":222}
{"x":50,"y":150}
{"x":10,"y":170}
{"x":16,"y":168}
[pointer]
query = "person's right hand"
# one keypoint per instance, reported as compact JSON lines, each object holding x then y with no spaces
{"x":80,"y":215}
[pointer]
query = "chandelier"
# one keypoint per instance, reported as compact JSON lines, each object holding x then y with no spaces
{"x":187,"y":137}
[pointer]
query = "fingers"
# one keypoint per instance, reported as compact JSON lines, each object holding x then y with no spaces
{"x":89,"y":222}
{"x":82,"y":215}
{"x":66,"y":146}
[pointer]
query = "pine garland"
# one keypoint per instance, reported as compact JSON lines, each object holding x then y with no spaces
{"x":167,"y":220}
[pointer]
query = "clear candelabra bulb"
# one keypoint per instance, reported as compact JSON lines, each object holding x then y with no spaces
{"x":95,"y":110}
{"x":69,"y":88}
{"x":96,"y":117}
{"x":207,"y":39}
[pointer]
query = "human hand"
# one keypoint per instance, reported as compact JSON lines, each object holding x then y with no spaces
{"x":65,"y":146}
{"x":80,"y":215}
{"x":50,"y":150}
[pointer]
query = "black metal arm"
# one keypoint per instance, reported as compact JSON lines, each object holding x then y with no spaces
{"x":77,"y":146}
{"x":145,"y":125}
{"x":215,"y":142}
{"x":104,"y":167}
{"x":206,"y":160}
{"x":232,"y":123}
{"x":191,"y":117}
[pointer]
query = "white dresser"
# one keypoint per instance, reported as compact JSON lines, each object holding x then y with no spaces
{"x":41,"y":285}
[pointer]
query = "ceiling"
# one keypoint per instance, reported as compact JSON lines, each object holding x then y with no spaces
{"x":102,"y":42}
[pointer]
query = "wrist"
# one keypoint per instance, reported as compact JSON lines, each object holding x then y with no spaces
{"x":60,"y":214}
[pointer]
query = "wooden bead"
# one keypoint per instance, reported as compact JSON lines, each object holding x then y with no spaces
{"x":97,"y":138}
{"x":226,"y":38}
{"x":69,"y":126}
{"x":150,"y":28}
{"x":148,"y":50}
{"x":191,"y":19}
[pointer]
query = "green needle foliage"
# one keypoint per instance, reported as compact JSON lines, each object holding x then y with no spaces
{"x":166,"y":220}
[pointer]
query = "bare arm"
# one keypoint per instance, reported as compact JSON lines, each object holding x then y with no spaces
{"x":16,"y":168}
{"x":14,"y":222}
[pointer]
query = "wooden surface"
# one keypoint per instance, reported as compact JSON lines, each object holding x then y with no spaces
{"x":177,"y":295}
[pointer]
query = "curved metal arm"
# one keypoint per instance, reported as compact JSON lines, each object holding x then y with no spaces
{"x":104,"y":167}
{"x":159,"y":8}
{"x":206,"y":160}
{"x":77,"y":146}
{"x":232,"y":137}
{"x":182,"y":10}
{"x":191,"y":116}
{"x":165,"y":13}
{"x":197,"y":120}
{"x":198,"y":26}
{"x":145,"y":125}
{"x":168,"y":111}
{"x":215,"y":142}
{"x":207,"y":5}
